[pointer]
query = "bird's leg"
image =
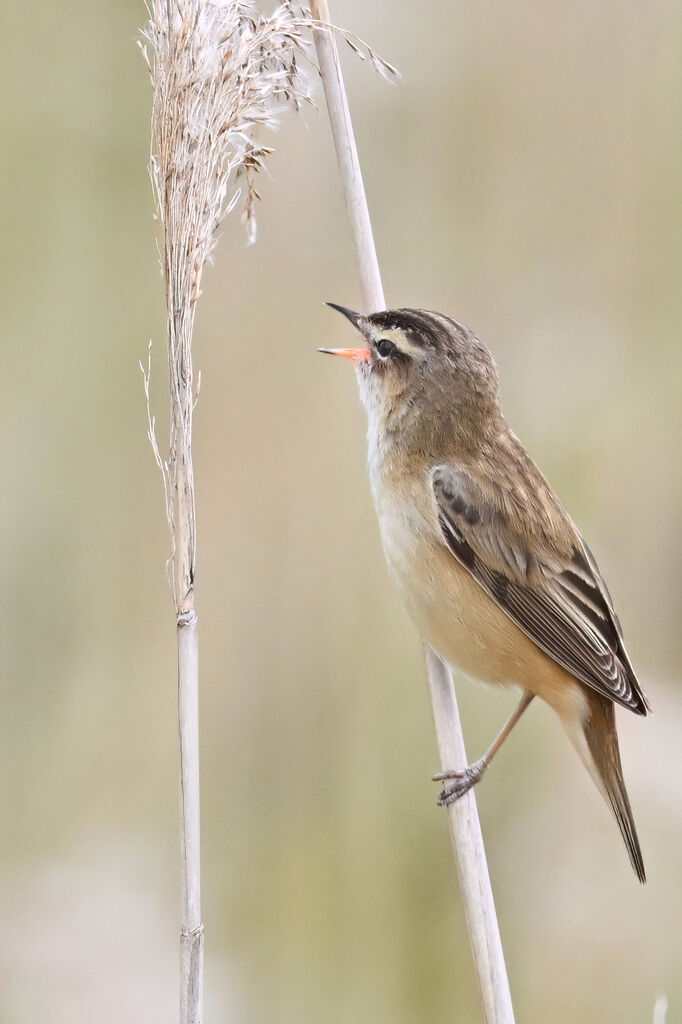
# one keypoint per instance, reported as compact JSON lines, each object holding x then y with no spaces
{"x":463,"y":781}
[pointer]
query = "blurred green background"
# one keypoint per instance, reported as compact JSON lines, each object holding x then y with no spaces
{"x":525,"y":176}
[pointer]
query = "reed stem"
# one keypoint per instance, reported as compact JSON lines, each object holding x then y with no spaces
{"x":465,"y":828}
{"x":218,"y":72}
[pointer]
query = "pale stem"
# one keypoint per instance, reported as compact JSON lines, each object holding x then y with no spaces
{"x":465,"y":829}
{"x":184,"y":531}
{"x":220,"y":69}
{"x":192,"y":931}
{"x":467,"y":843}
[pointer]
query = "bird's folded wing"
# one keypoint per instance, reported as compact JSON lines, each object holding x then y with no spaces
{"x":559,"y":601}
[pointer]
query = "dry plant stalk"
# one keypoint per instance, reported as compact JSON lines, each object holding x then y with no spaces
{"x":219,"y":70}
{"x":465,"y":829}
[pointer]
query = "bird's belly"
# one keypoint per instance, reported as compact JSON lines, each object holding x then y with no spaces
{"x":444,"y":602}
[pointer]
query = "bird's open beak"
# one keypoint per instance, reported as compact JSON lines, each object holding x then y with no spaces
{"x":358,"y":321}
{"x":347,"y":353}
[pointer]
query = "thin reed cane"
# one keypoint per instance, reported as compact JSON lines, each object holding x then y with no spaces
{"x":218,"y":72}
{"x":465,"y":829}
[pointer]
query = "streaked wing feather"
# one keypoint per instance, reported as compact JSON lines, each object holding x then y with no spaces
{"x":564,"y":608}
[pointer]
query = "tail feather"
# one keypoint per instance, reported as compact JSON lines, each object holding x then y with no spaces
{"x":623,"y":812}
{"x":602,"y":740}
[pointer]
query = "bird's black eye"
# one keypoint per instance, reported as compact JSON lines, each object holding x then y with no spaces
{"x":385,"y":348}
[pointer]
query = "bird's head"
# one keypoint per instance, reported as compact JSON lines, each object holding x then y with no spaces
{"x":423,"y":376}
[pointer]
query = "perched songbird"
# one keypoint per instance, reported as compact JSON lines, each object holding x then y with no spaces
{"x":492,"y":570}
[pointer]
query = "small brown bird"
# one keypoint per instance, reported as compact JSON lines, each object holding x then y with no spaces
{"x":492,"y":570}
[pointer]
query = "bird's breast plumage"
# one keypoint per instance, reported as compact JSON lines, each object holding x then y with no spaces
{"x":449,"y":608}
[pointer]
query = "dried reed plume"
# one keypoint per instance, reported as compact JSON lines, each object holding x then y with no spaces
{"x":219,"y":72}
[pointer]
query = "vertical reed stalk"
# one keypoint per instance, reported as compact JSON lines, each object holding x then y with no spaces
{"x":217,"y":69}
{"x":465,"y":829}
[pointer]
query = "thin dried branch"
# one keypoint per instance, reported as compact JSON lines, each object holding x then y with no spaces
{"x":219,"y":72}
{"x":158,"y":458}
{"x":359,"y":47}
{"x":465,"y":830}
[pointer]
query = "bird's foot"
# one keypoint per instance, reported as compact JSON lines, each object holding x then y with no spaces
{"x":462,"y":782}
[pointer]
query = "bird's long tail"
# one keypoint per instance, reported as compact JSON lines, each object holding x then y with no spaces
{"x":602,"y":741}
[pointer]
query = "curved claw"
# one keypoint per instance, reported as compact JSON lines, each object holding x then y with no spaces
{"x":462,"y":782}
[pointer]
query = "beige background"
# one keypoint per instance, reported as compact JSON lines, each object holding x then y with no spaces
{"x":525,"y":177}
